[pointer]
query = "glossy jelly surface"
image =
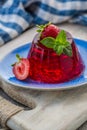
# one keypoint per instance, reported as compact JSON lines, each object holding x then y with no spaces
{"x":47,"y":67}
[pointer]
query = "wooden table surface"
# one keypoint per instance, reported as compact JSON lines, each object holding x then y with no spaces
{"x":59,"y":110}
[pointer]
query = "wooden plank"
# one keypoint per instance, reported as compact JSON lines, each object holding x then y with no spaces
{"x":59,"y":110}
{"x":63,"y":110}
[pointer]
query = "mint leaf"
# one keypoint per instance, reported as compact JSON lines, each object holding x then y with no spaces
{"x":61,"y":38}
{"x":55,"y":47}
{"x":69,"y":47}
{"x":66,"y":44}
{"x":48,"y":42}
{"x":59,"y":50}
{"x":67,"y":52}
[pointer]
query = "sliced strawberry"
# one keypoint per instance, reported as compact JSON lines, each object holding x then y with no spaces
{"x":21,"y":68}
{"x":50,"y":31}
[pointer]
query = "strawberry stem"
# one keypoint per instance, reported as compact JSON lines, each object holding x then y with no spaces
{"x":18,"y":57}
{"x":13,"y":64}
{"x":41,"y":27}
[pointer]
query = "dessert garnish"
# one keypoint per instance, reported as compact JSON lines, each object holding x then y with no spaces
{"x":21,"y":68}
{"x":60,"y":44}
{"x":54,"y":38}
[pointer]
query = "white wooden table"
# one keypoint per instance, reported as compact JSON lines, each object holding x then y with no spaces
{"x":61,"y":110}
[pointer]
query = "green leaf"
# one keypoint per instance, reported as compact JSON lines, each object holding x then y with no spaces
{"x":13,"y":64}
{"x":69,"y":47}
{"x":41,"y":26}
{"x":59,"y":50}
{"x":61,"y":38}
{"x":55,"y":47}
{"x":66,"y":44}
{"x":18,"y":57}
{"x":38,"y":30}
{"x":67,"y":52}
{"x":49,"y":42}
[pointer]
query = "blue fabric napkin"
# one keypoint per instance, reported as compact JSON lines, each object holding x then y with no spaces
{"x":18,"y":15}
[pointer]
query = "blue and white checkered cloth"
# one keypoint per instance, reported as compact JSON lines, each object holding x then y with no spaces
{"x":18,"y":15}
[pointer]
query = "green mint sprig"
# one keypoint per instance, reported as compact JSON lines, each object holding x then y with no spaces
{"x":60,"y":45}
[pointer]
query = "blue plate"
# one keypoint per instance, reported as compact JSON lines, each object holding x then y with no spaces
{"x":7,"y":75}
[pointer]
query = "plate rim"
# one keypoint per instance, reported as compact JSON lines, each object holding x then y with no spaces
{"x":42,"y":89}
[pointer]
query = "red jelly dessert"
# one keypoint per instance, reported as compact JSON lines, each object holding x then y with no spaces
{"x":54,"y":64}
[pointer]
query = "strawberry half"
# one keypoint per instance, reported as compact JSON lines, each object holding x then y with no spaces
{"x":21,"y":68}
